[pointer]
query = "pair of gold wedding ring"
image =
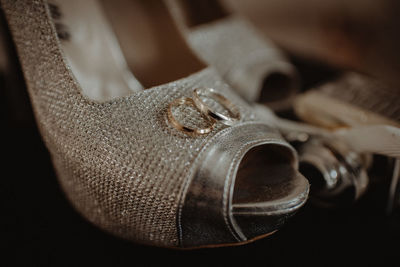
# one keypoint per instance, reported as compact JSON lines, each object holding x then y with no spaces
{"x":207,"y":112}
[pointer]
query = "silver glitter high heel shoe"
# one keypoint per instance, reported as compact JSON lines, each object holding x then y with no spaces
{"x":185,"y":163}
{"x":249,"y":62}
{"x":368,"y":111}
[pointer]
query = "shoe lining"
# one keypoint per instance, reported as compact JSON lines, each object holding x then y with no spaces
{"x":115,"y":48}
{"x":197,"y":12}
{"x":265,"y":174}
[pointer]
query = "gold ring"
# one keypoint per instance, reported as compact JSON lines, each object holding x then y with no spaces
{"x":185,"y":129}
{"x":234,"y":114}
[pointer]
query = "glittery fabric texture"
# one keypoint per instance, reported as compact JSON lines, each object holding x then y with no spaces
{"x":240,"y":54}
{"x":367,"y":93}
{"x":120,"y":163}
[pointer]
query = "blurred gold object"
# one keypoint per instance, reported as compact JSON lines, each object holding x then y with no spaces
{"x":234,"y":114}
{"x":183,"y":128}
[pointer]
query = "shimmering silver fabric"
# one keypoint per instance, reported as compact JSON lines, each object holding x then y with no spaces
{"x":367,"y":93}
{"x":241,"y":56}
{"x":120,"y":162}
{"x":351,"y":100}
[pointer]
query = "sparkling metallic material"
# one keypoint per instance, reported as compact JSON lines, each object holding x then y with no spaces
{"x":244,"y":58}
{"x":216,"y":177}
{"x":120,"y":162}
{"x":351,"y":100}
{"x":228,"y":106}
{"x":185,"y":129}
{"x":338,"y":173}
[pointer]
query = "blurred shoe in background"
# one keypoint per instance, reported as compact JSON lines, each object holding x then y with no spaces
{"x":252,"y":64}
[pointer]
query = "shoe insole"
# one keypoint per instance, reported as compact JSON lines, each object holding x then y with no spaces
{"x":266,"y":176}
{"x":92,"y":50}
{"x":117,"y":47}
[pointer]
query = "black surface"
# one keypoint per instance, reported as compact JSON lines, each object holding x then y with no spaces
{"x":39,"y":227}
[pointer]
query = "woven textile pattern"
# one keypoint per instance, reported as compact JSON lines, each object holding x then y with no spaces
{"x":239,"y":53}
{"x":231,"y":42}
{"x":367,"y":93}
{"x":120,"y":163}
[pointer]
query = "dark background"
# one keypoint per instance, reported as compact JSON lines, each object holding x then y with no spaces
{"x":38,"y":226}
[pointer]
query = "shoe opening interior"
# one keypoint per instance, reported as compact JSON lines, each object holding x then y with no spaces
{"x":197,"y":12}
{"x":266,"y":175}
{"x":278,"y":84}
{"x":118,"y":47}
